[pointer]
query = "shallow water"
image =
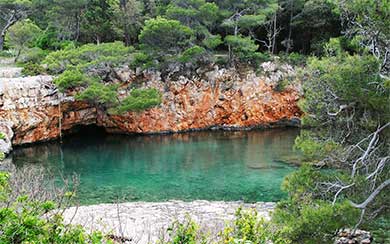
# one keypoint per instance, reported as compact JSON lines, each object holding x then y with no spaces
{"x":211,"y":165}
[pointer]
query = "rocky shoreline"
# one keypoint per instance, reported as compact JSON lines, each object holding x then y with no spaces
{"x":32,"y":110}
{"x":146,"y":222}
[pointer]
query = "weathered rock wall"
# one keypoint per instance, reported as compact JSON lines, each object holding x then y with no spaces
{"x":219,"y":98}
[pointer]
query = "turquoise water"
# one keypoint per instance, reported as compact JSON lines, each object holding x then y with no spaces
{"x":211,"y":165}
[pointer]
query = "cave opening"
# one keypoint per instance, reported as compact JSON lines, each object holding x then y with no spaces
{"x":91,"y":131}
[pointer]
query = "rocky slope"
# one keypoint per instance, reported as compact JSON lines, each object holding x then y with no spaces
{"x":220,"y":98}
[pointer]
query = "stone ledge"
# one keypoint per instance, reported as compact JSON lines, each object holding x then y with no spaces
{"x":145,"y":221}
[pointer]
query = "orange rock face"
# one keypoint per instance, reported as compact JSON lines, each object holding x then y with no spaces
{"x":196,"y":105}
{"x":221,"y":99}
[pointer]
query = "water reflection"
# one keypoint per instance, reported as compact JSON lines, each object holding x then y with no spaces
{"x":241,"y":165}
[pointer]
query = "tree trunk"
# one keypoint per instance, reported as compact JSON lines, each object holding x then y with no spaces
{"x":274,"y":34}
{"x":18,"y":55}
{"x":126,"y":31}
{"x":1,"y":42}
{"x":288,"y":46}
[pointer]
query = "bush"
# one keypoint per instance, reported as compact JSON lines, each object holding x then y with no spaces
{"x":304,"y":217}
{"x":34,"y":55}
{"x":27,"y":221}
{"x":313,"y":148}
{"x":244,"y":48}
{"x":139,"y":100}
{"x":87,"y":57}
{"x":6,"y":54}
{"x":162,"y":37}
{"x":31,"y":69}
{"x":247,"y":228}
{"x":192,"y":54}
{"x":141,"y":60}
{"x":99,"y":93}
{"x":184,"y":232}
{"x":294,"y":58}
{"x":48,"y":40}
{"x":70,"y":79}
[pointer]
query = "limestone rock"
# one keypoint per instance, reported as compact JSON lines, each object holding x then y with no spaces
{"x":145,"y":222}
{"x":6,"y":143}
{"x":348,"y":236}
{"x":220,"y":98}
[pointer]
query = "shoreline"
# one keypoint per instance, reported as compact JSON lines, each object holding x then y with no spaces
{"x":145,"y":222}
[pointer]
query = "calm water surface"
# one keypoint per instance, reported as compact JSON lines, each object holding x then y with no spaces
{"x":213,"y":165}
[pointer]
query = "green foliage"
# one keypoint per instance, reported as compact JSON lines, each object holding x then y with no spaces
{"x":31,"y":69}
{"x":303,"y":218}
{"x":247,"y":228}
{"x":139,"y":100}
{"x":99,"y":93}
{"x":2,"y":136}
{"x":2,"y":156}
{"x":244,"y":48}
{"x":380,"y":229}
{"x":70,"y":79}
{"x":163,"y":37}
{"x":313,"y":148}
{"x":98,"y":20}
{"x":185,"y":232}
{"x":314,"y":222}
{"x":23,"y":221}
{"x":48,"y":40}
{"x":293,"y":58}
{"x":87,"y":57}
{"x":6,"y":54}
{"x":351,"y":79}
{"x":22,"y":35}
{"x":141,"y":60}
{"x":34,"y":55}
{"x":212,"y":41}
{"x":192,"y":54}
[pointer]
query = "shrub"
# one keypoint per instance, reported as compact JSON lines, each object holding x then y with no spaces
{"x":247,"y":228}
{"x":70,"y":79}
{"x":99,"y":93}
{"x":2,"y":156}
{"x":244,"y":48}
{"x":306,"y":218}
{"x":312,"y":223}
{"x":6,"y":54}
{"x":192,"y":54}
{"x":313,"y":148}
{"x":87,"y":57}
{"x":34,"y":55}
{"x":31,"y":69}
{"x":163,"y":37}
{"x":2,"y":136}
{"x":212,"y":42}
{"x":184,"y":232}
{"x":27,"y":221}
{"x":48,"y":40}
{"x":141,"y":60}
{"x":140,"y":99}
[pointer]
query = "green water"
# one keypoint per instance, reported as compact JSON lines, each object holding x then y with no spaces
{"x":212,"y":165}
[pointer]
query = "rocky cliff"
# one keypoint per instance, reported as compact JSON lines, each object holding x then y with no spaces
{"x":32,"y":110}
